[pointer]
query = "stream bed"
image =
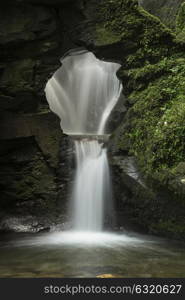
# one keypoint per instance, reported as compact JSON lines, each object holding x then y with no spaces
{"x":88,"y":254}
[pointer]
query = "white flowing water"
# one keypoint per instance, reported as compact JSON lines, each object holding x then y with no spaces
{"x":91,"y":185}
{"x":83,"y":92}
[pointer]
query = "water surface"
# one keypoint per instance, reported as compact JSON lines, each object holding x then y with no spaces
{"x":76,"y":254}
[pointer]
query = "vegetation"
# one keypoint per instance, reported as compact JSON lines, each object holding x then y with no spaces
{"x":157,"y":131}
{"x":153,"y":130}
{"x":153,"y":76}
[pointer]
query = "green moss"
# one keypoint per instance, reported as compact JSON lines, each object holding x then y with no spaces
{"x":153,"y":130}
{"x":180,"y":23}
{"x":153,"y":81}
{"x":137,"y":31}
{"x":180,"y":20}
{"x":166,"y":10}
{"x":104,"y":36}
{"x":155,"y":125}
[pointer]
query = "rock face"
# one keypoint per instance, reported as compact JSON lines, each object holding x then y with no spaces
{"x":166,"y":10}
{"x":29,"y":155}
{"x":30,"y":134}
{"x":144,"y":207}
{"x":180,"y":22}
{"x":34,"y":180}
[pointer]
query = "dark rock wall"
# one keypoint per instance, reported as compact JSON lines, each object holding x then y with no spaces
{"x":36,"y":165}
{"x":30,"y":48}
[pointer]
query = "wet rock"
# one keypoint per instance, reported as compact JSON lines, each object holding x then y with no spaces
{"x":27,"y":181}
{"x":146,"y":206}
{"x":17,"y":83}
{"x":117,"y":115}
{"x":22,"y":224}
{"x":23,"y":23}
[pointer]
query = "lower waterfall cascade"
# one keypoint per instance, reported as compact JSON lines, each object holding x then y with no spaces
{"x":92,"y":185}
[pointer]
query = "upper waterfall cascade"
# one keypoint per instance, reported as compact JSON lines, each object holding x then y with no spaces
{"x":83,"y":92}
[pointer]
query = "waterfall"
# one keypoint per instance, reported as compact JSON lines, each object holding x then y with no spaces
{"x":83,"y":92}
{"x":91,"y":185}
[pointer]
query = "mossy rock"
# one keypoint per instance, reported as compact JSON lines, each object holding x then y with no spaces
{"x":166,"y":10}
{"x":180,"y":23}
